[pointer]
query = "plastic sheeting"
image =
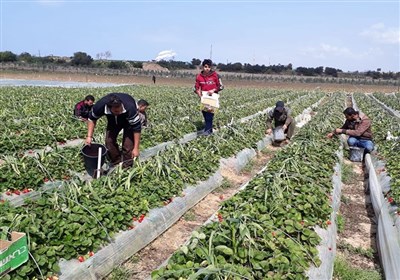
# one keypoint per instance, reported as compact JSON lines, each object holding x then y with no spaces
{"x":327,"y":247}
{"x":387,"y":234}
{"x":387,"y":108}
{"x":388,"y":224}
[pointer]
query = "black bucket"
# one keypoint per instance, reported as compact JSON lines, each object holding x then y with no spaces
{"x":356,"y":154}
{"x":91,"y":155}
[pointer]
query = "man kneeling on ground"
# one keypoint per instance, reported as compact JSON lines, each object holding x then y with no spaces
{"x":281,"y":117}
{"x":358,"y":127}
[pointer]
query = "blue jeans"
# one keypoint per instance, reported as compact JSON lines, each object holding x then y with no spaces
{"x":208,"y":119}
{"x":368,"y":145}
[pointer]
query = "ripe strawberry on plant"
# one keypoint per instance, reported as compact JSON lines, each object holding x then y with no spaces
{"x":91,"y":254}
{"x":141,"y":218}
{"x":17,"y":192}
{"x":390,"y":199}
{"x":81,"y":259}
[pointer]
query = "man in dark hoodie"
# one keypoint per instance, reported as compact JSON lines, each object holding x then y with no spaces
{"x":281,"y":117}
{"x":122,"y":114}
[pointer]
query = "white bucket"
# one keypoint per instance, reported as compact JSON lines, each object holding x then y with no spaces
{"x":279,"y":134}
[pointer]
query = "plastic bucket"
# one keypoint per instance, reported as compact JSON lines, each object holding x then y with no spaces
{"x":356,"y":154}
{"x":91,"y":155}
{"x":279,"y":134}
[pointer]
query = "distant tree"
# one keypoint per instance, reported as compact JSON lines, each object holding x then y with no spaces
{"x":81,"y":59}
{"x":107,"y":55}
{"x":373,"y":74}
{"x":25,"y":57}
{"x":319,"y":70}
{"x":117,"y":64}
{"x":331,"y":72}
{"x":196,"y":61}
{"x":136,"y":64}
{"x":8,"y":56}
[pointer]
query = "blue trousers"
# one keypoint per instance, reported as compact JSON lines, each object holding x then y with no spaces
{"x":368,"y":145}
{"x":208,"y":119}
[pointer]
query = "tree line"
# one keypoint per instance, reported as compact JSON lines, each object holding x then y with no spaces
{"x":83,"y":59}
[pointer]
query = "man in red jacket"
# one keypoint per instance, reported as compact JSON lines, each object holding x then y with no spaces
{"x":358,"y":127}
{"x":208,"y":82}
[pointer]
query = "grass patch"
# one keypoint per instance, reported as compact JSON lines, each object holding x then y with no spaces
{"x":249,"y":167}
{"x":368,"y":253}
{"x":122,"y":273}
{"x":225,"y":185}
{"x":189,"y":216}
{"x":340,"y":221}
{"x":343,"y":271}
{"x":348,"y":174}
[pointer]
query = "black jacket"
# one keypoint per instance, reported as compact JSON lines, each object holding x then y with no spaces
{"x":128,"y":119}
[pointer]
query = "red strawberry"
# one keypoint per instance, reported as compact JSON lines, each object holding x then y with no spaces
{"x":81,"y":259}
{"x":131,"y":227}
{"x":17,"y":192}
{"x":8,"y":193}
{"x":390,"y":200}
{"x":141,"y":218}
{"x":220,"y":218}
{"x":328,"y":222}
{"x":25,"y":191}
{"x":46,"y":180}
{"x":91,"y":254}
{"x":134,"y":219}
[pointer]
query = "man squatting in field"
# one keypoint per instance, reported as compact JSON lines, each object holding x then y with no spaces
{"x":358,"y":127}
{"x":281,"y":117}
{"x":208,"y":81}
{"x":82,"y":108}
{"x":122,"y":113}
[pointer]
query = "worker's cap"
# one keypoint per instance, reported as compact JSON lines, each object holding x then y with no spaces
{"x":280,"y":104}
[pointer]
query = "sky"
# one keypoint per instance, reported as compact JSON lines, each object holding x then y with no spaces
{"x":346,"y":35}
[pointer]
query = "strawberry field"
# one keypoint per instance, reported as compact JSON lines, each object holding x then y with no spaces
{"x":268,"y":228}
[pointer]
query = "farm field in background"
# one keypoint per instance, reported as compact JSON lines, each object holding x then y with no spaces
{"x":82,"y":217}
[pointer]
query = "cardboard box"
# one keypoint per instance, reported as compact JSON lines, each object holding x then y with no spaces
{"x":13,"y":253}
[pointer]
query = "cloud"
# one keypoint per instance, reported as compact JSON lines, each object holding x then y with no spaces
{"x":381,"y":34}
{"x":164,"y":55}
{"x":326,"y":51}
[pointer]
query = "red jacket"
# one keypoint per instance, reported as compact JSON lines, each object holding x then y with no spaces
{"x":207,"y":82}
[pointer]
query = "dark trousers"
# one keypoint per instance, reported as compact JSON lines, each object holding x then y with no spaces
{"x":208,"y":119}
{"x":114,"y":152}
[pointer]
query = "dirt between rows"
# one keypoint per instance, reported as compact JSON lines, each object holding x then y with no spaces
{"x":359,"y":227}
{"x":171,"y":81}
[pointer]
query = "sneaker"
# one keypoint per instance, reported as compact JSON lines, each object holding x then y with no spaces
{"x":207,"y":133}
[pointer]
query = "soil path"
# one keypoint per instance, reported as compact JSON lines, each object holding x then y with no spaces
{"x":359,"y":224}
